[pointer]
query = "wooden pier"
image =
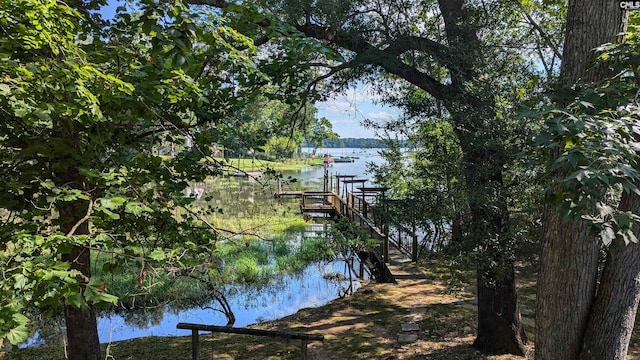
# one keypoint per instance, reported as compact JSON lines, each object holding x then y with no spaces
{"x":361,"y":206}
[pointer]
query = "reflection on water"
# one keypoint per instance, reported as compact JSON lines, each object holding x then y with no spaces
{"x":316,"y":285}
{"x":285,"y":296}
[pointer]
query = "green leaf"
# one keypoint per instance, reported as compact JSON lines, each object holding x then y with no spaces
{"x":158,"y":254}
{"x":20,"y":332}
{"x":107,"y":298}
{"x":5,"y":90}
{"x":75,"y":299}
{"x":136,"y":208}
{"x":47,"y":184}
{"x":20,"y":281}
{"x":113,"y":203}
{"x":42,"y":114}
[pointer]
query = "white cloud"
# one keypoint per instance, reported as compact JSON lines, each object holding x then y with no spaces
{"x":339,"y":106}
{"x":346,"y":111}
{"x":381,"y":116}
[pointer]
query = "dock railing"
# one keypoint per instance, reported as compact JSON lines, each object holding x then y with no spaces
{"x":354,"y":208}
{"x":367,"y":215}
{"x":404,"y":240}
{"x":196,"y":328}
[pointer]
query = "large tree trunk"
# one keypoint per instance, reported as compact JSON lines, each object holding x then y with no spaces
{"x":570,"y":252}
{"x":590,"y":23}
{"x":566,"y":285}
{"x":500,"y":329}
{"x":614,"y":312}
{"x":81,"y":323}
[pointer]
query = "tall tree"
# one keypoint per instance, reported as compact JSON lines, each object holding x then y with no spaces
{"x":84,"y":108}
{"x":572,"y":315}
{"x":318,"y":131}
{"x":417,"y":42}
{"x":427,"y":181}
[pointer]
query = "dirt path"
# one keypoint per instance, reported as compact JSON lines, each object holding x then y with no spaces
{"x":369,"y":324}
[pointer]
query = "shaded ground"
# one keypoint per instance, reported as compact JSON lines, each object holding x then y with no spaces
{"x":366,"y":325}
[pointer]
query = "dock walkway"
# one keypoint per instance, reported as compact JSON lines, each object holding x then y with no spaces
{"x":361,"y":207}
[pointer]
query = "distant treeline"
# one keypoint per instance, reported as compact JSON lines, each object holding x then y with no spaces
{"x":351,"y":143}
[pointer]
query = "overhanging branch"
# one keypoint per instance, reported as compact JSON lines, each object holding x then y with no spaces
{"x":384,"y":58}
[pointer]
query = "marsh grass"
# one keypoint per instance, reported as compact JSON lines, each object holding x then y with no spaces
{"x":363,"y":326}
{"x":244,"y":260}
{"x":248,"y":164}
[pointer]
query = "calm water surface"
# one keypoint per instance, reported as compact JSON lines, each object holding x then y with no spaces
{"x":287,"y":293}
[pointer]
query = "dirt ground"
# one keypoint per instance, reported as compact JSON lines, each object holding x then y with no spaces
{"x":367,"y":325}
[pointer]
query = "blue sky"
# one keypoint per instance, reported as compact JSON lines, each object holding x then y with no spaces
{"x":345,"y":111}
{"x":109,"y":11}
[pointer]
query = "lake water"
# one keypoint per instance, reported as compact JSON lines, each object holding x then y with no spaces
{"x":285,"y":296}
{"x":287,"y":293}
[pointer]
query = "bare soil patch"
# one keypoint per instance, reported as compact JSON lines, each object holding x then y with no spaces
{"x":366,"y":325}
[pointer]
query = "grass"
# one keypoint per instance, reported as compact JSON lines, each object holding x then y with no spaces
{"x":363,"y":326}
{"x":246,"y":164}
{"x":247,"y":260}
{"x":261,"y":225}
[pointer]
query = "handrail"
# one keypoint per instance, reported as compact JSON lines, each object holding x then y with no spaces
{"x":195,"y":328}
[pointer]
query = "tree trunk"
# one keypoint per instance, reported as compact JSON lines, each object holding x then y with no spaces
{"x":566,"y":285}
{"x":500,"y":329}
{"x":81,"y":323}
{"x":614,"y":312}
{"x":570,"y":252}
{"x":590,"y":23}
{"x":82,"y":327}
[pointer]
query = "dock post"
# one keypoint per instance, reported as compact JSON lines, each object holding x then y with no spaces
{"x":414,"y":249}
{"x":385,"y":249}
{"x":195,"y":346}
{"x":364,"y":208}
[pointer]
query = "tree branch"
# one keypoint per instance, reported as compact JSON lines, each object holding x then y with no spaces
{"x":402,"y":44}
{"x":387,"y":60}
{"x":543,"y":34}
{"x":215,"y":3}
{"x":81,"y":221}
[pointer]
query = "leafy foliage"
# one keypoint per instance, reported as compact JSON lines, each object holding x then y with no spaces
{"x":594,"y":143}
{"x":85,"y":109}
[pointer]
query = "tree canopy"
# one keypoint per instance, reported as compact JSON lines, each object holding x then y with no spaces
{"x":85,"y":107}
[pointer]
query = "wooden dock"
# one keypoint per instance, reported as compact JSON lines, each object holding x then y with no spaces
{"x":361,"y":206}
{"x":280,"y":194}
{"x":312,"y":202}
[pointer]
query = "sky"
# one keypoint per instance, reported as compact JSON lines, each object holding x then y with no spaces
{"x":345,"y":111}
